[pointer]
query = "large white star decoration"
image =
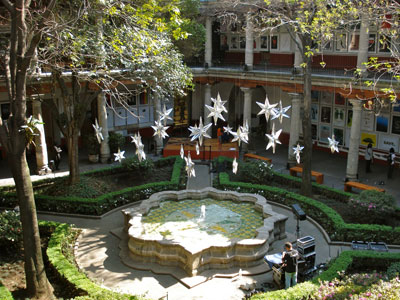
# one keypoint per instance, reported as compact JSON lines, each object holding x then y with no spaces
{"x":98,"y":131}
{"x":273,"y":138}
{"x":266,"y":108}
{"x":200,"y":132}
{"x":182,"y":152}
{"x":217,"y":109}
{"x":228,"y":129}
{"x":58,"y":149}
{"x":137,"y":139}
{"x":189,"y":166}
{"x":119,"y":156}
{"x":234,"y":166}
{"x":242,"y":134}
{"x":297,"y":150}
{"x":160,"y":130}
{"x":197,"y":148}
{"x":164,"y":114}
{"x":333,"y":144}
{"x":280,"y":112}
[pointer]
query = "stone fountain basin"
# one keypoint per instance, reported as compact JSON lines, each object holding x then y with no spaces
{"x":215,"y":252}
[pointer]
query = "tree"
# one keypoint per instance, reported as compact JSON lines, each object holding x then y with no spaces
{"x":311,"y":24}
{"x":109,"y":46}
{"x":28,"y":21}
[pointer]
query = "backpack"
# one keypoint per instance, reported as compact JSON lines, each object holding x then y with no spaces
{"x":291,"y":261}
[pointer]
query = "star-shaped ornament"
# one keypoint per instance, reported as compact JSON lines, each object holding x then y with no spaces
{"x":137,"y":139}
{"x":273,"y":138}
{"x":58,"y":149}
{"x":199,"y":132}
{"x":280,"y":112}
{"x":119,"y":156}
{"x":190,"y":166}
{"x":242,"y":134}
{"x":98,"y":131}
{"x":197,"y":148}
{"x":266,"y":108}
{"x":297,"y":150}
{"x":234,"y":166}
{"x":164,"y":114}
{"x":217,"y":109}
{"x":182,"y":152}
{"x":228,"y":129}
{"x":333,"y":144}
{"x":160,"y":130}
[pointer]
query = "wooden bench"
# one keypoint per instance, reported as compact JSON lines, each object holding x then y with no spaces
{"x":319,"y":177}
{"x":255,"y":156}
{"x":349,"y":184}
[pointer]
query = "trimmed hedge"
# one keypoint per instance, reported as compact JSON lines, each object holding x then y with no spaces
{"x":106,"y":202}
{"x":69,"y":271}
{"x":5,"y":294}
{"x":346,"y":259}
{"x":328,"y":218}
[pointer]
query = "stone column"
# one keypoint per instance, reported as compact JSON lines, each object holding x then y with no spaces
{"x":159,"y":144}
{"x":298,"y":59}
{"x":102,"y":119}
{"x":207,"y":101}
{"x":249,"y":56}
{"x":42,"y":159}
{"x":355,"y":134}
{"x":295,"y":125}
{"x":362,"y":55}
{"x":246,"y":110}
{"x":208,"y":46}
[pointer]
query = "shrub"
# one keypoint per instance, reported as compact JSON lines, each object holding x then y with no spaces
{"x":115,"y":141}
{"x":133,"y":164}
{"x":372,"y":207}
{"x":10,"y":229}
{"x":255,"y":171}
{"x":393,"y":270}
{"x":5,"y":293}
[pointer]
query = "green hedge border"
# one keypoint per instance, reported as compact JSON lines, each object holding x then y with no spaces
{"x":327,"y":217}
{"x":102,"y":204}
{"x":343,"y":262}
{"x":5,"y":294}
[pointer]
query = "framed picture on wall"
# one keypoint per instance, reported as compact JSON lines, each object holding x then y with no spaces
{"x":382,"y":123}
{"x":314,"y":131}
{"x":338,"y":116}
{"x":396,"y":124}
{"x":314,"y":112}
{"x":326,"y":98}
{"x":325,"y":114}
{"x":314,"y":96}
{"x":339,"y":135}
{"x":387,"y":141}
{"x":324,"y":133}
{"x":367,"y":138}
{"x":367,"y":120}
{"x":274,"y":42}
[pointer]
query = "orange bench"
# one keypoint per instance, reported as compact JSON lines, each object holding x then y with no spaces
{"x":349,"y":184}
{"x":319,"y":177}
{"x":255,"y":156}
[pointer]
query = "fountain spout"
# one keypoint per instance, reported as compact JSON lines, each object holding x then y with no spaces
{"x":202,"y":213}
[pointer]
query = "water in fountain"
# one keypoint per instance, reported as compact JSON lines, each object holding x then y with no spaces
{"x":202,"y":213}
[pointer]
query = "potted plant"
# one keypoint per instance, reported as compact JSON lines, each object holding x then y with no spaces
{"x":93,"y":148}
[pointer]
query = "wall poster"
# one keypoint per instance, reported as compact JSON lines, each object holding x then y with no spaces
{"x":382,"y":123}
{"x":325,"y":114}
{"x":396,"y":124}
{"x":387,"y":141}
{"x":367,"y":138}
{"x":339,"y":135}
{"x":367,"y":120}
{"x":338,"y":116}
{"x":324,"y":133}
{"x":314,"y":112}
{"x":314,"y":132}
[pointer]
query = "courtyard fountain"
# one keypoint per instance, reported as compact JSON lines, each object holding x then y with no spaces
{"x":202,"y":230}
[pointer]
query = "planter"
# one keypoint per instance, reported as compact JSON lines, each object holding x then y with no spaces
{"x":93,"y":158}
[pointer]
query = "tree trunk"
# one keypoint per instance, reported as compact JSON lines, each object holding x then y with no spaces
{"x":73,"y":156}
{"x":38,"y":286}
{"x":306,"y":187}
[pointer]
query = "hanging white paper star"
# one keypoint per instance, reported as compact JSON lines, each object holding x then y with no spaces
{"x":242,"y":134}
{"x":234,"y":166}
{"x":98,"y":131}
{"x":119,"y":156}
{"x":280,"y":112}
{"x":199,"y":132}
{"x":217,"y":109}
{"x":333,"y":144}
{"x":273,"y":138}
{"x":266,"y":108}
{"x":197,"y":148}
{"x":137,"y":139}
{"x":160,"y":130}
{"x":182,"y":152}
{"x":228,"y":129}
{"x":189,"y":166}
{"x":58,"y":149}
{"x":297,"y":150}
{"x":164,"y":114}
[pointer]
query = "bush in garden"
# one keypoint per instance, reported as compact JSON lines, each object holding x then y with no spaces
{"x":255,"y":171}
{"x":10,"y":229}
{"x":393,"y":270}
{"x":144,"y":167}
{"x":372,"y":206}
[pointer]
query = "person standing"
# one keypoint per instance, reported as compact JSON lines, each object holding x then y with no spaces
{"x":369,"y":157}
{"x":289,"y":261}
{"x":391,"y":158}
{"x":219,"y":135}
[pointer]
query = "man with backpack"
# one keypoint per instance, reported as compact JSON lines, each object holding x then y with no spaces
{"x":289,"y":261}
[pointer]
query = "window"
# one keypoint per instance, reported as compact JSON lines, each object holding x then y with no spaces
{"x":384,"y":43}
{"x":354,"y":42}
{"x":372,"y":43}
{"x":274,"y":42}
{"x":341,"y":42}
{"x":264,"y":43}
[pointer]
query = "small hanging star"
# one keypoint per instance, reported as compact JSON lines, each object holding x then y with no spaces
{"x":280,"y":112}
{"x":189,"y":166}
{"x":273,"y":138}
{"x":58,"y":149}
{"x":199,"y":132}
{"x":164,"y":114}
{"x":160,"y":130}
{"x":242,"y":134}
{"x":137,"y":139}
{"x":98,"y":131}
{"x":297,"y":150}
{"x":234,"y":166}
{"x":182,"y":152}
{"x":333,"y":144}
{"x":119,"y":156}
{"x":228,"y":129}
{"x":266,"y":108}
{"x":217,"y":109}
{"x":197,"y":148}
